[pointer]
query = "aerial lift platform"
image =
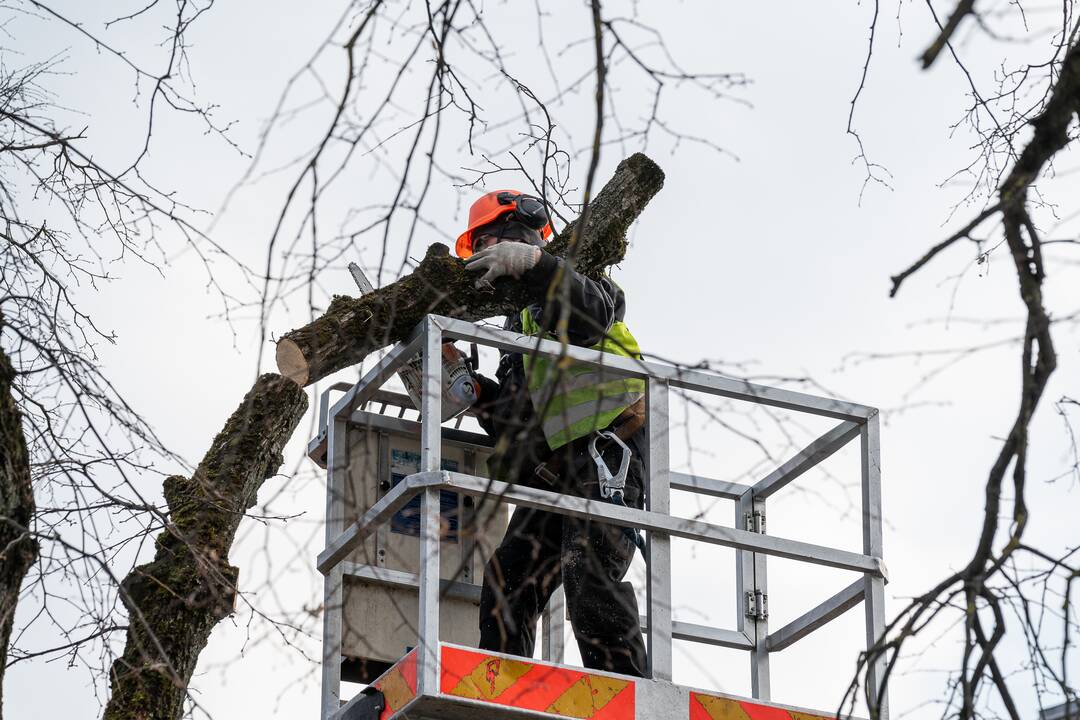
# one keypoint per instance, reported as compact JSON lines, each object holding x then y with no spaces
{"x":410,"y":517}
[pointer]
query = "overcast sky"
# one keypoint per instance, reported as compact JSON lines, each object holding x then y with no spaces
{"x":769,"y":259}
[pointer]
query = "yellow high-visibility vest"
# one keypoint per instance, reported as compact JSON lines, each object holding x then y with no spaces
{"x":573,"y":399}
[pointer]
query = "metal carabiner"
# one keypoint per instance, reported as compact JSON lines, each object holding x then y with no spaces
{"x":612,"y":487}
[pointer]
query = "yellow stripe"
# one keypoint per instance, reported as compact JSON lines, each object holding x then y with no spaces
{"x":721,"y":708}
{"x":490,"y":679}
{"x":396,"y":691}
{"x":587,"y":695}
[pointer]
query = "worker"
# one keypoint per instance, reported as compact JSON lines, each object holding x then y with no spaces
{"x":552,"y":427}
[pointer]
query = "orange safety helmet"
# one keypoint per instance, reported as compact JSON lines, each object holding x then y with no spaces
{"x":490,"y":207}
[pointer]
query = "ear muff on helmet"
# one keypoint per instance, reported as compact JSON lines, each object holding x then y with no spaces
{"x":528,"y":210}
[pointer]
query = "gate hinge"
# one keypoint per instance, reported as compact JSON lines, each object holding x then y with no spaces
{"x":755,"y":521}
{"x":757,"y":605}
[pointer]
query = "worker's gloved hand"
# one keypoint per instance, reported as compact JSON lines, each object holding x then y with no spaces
{"x":505,"y":258}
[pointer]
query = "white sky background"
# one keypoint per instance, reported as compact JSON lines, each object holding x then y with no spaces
{"x":770,"y":260}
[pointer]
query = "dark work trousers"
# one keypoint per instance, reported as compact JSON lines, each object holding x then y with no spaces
{"x":541,"y":550}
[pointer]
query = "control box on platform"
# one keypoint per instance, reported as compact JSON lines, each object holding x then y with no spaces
{"x":379,"y":602}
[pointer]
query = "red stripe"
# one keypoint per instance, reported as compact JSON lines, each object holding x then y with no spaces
{"x":456,"y":666}
{"x":539,"y":687}
{"x":697,"y":710}
{"x":764,"y":712}
{"x":408,"y":670}
{"x":622,"y":706}
{"x":387,"y":711}
{"x":406,"y":667}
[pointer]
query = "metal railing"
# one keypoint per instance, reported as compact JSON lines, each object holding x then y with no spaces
{"x":747,"y":537}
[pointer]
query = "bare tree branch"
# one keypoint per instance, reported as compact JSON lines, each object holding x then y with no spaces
{"x":1039,"y":360}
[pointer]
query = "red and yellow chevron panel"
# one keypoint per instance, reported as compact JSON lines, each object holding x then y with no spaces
{"x":398,"y":685}
{"x":715,"y":707}
{"x":535,"y":686}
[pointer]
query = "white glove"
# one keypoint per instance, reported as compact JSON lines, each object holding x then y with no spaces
{"x":505,"y":258}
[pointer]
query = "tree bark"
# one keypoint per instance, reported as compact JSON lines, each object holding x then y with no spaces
{"x":18,"y":549}
{"x":176,"y":600}
{"x":351,"y":328}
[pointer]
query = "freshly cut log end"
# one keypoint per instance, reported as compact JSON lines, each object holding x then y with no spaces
{"x":291,"y":362}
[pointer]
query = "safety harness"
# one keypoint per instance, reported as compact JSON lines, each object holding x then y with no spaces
{"x":574,"y":400}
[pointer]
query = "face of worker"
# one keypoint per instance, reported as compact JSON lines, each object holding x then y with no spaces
{"x":502,"y":231}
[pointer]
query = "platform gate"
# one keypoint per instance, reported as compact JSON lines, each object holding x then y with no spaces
{"x":433,"y":681}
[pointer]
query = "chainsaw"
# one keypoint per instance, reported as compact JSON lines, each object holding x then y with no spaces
{"x":460,"y":388}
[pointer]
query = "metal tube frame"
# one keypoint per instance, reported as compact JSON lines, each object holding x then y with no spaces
{"x":747,"y":536}
{"x":333,"y":588}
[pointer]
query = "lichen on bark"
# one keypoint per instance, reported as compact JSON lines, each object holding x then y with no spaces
{"x":18,"y":549}
{"x":174,"y":601}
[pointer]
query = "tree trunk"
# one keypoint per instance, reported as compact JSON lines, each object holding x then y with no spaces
{"x":351,"y":328}
{"x":175,"y":601}
{"x":18,"y":549}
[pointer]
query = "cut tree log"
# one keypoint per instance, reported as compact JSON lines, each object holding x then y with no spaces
{"x":18,"y":549}
{"x":176,"y":600}
{"x":351,"y":328}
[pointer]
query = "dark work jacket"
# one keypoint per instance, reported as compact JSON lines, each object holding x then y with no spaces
{"x":504,"y":408}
